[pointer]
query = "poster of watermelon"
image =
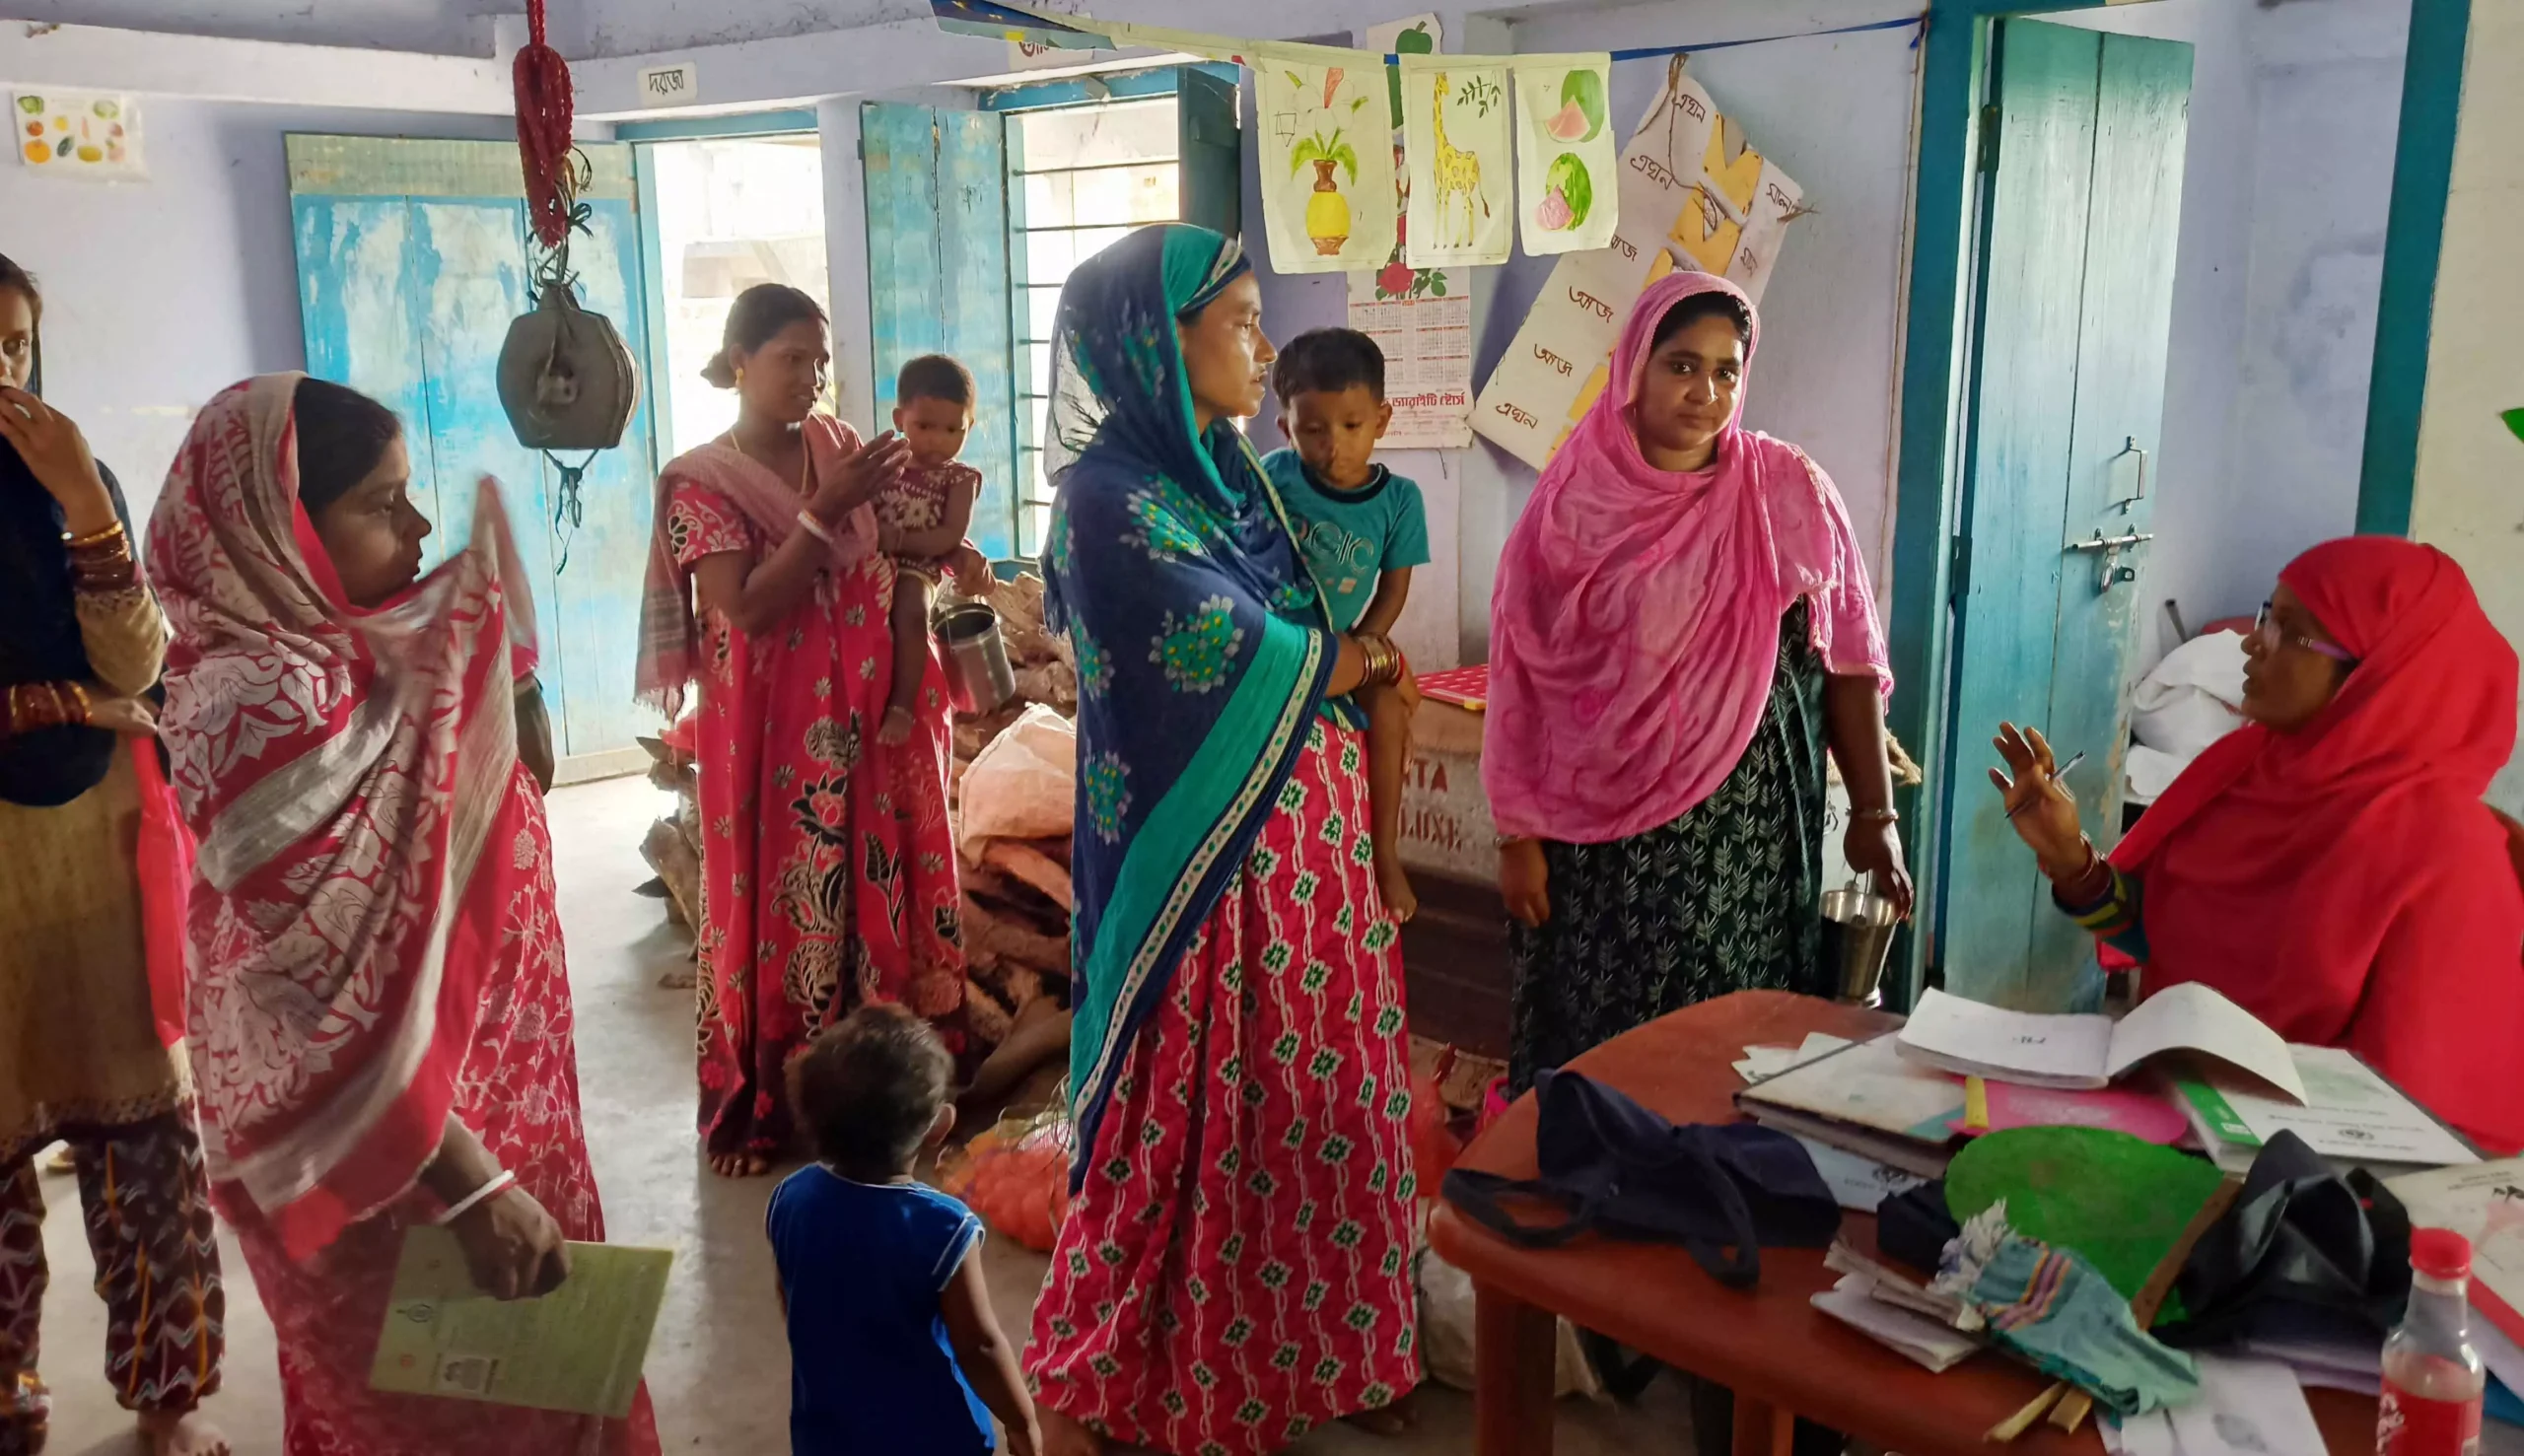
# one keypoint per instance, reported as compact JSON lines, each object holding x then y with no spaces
{"x":78,"y":133}
{"x":1567,"y":187}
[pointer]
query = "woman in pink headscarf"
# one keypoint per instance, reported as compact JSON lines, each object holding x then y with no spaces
{"x":1682,"y":624}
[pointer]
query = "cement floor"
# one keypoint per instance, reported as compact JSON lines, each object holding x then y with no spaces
{"x":719,"y":1367}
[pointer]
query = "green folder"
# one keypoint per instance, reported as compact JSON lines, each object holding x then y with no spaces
{"x":577,"y":1348}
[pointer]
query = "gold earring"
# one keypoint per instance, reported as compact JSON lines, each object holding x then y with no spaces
{"x":740,"y":374}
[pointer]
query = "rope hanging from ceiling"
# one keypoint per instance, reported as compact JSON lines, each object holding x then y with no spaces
{"x":543,"y":102}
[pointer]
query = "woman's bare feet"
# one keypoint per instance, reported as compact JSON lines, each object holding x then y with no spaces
{"x":1395,"y":886}
{"x":740,"y":1164}
{"x":181,"y":1434}
{"x":1389,"y":1421}
{"x":895,"y":731}
{"x":1063,"y":1436}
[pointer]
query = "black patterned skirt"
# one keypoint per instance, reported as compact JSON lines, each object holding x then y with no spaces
{"x":1726,"y":898}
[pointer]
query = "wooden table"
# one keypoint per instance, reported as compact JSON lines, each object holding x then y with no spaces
{"x":1781,"y":1357}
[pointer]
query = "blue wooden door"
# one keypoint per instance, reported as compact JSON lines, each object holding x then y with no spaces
{"x":412,"y":261}
{"x":938,"y":279}
{"x":2081,"y":213}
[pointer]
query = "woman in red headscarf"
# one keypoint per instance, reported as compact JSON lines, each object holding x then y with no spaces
{"x":2330,"y":866}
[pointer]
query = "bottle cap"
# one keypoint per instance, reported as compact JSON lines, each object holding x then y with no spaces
{"x":2440,"y":1253}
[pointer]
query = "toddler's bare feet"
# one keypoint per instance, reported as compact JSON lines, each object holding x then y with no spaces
{"x":181,"y":1434}
{"x":1395,"y":885}
{"x":1063,"y":1436}
{"x":895,"y":731}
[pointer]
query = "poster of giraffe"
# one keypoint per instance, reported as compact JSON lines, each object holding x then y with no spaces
{"x":1459,"y":152}
{"x":1694,"y":194}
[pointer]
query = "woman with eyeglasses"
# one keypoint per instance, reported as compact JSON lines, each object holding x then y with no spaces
{"x":2330,"y":866}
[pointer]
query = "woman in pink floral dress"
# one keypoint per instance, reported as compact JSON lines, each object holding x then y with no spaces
{"x":829,"y":873}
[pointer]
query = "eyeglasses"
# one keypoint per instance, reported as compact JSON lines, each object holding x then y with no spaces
{"x":2265,"y":625}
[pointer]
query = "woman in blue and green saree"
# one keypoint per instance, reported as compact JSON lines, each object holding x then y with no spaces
{"x":1234,"y":1269}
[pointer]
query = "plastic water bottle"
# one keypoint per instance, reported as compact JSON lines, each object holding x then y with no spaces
{"x":2433,"y":1376}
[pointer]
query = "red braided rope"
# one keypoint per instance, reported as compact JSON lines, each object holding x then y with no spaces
{"x":544,"y":130}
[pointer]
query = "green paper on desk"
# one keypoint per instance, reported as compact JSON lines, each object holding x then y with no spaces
{"x":2120,"y":1201}
{"x":577,"y":1348}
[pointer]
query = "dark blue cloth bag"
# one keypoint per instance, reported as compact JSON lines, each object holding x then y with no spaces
{"x":1722,"y":1191}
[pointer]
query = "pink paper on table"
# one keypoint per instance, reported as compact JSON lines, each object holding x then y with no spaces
{"x":2121,"y":1109}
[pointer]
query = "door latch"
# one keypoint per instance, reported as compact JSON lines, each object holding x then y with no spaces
{"x":2129,"y":474}
{"x":2111,"y":570}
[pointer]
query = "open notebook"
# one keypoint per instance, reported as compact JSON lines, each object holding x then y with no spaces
{"x":1968,"y":1037}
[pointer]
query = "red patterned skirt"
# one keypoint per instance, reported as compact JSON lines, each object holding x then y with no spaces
{"x":1236,"y":1270}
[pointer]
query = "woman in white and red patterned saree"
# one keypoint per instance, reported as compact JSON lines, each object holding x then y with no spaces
{"x":380,"y":1021}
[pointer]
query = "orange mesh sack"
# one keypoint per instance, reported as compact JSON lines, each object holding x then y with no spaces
{"x":1016,"y":1176}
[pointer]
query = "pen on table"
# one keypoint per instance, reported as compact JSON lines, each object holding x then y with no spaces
{"x":2055,"y":777}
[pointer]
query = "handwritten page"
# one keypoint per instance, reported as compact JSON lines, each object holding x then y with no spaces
{"x":2196,"y":1018}
{"x":577,"y":1348}
{"x":1974,"y":1038}
{"x":2245,"y":1408}
{"x":2073,"y":1052}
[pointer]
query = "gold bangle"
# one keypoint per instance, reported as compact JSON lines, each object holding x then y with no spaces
{"x":1384,"y":662}
{"x":94,"y":539}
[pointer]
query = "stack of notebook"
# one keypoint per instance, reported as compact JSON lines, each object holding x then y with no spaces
{"x":2188,"y":1067}
{"x":1865,"y":1099}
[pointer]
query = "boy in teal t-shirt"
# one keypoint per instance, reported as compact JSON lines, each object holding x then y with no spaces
{"x":1362,"y":528}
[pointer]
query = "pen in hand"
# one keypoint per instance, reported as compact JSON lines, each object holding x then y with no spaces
{"x":2053,"y":777}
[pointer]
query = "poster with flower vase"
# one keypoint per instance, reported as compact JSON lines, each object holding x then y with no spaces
{"x":1421,"y":319}
{"x":1459,"y":152}
{"x":1694,"y":194}
{"x":1327,"y":168}
{"x":79,"y":133}
{"x":1568,"y":170}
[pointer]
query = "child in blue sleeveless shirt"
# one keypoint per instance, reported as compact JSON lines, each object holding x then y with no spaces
{"x":892,"y":1343}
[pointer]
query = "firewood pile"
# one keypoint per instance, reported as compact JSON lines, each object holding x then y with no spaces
{"x":1012,"y":823}
{"x":673,"y":846}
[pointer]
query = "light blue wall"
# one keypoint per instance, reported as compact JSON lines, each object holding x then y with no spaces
{"x":159,"y":293}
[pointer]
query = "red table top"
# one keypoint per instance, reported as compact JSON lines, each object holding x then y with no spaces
{"x":1768,"y":1342}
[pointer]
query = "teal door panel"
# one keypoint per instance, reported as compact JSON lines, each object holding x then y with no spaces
{"x":2026,"y":398}
{"x":603,"y":561}
{"x":972,"y":263}
{"x":899,"y":145}
{"x":939,"y":279}
{"x":412,"y":263}
{"x":1212,"y":148}
{"x":354,"y":255}
{"x":2140,"y":126}
{"x":2080,"y":219}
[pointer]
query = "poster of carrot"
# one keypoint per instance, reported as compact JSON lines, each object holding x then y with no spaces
{"x":1567,"y":186}
{"x":78,"y":133}
{"x":1327,"y":159}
